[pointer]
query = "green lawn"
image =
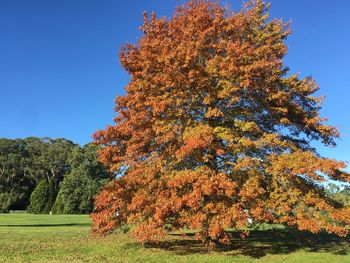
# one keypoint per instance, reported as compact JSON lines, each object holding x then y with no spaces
{"x":66,"y":238}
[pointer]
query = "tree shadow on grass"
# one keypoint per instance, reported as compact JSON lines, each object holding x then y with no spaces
{"x":261,"y":243}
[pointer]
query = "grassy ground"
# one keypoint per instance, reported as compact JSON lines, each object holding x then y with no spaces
{"x":66,"y":238}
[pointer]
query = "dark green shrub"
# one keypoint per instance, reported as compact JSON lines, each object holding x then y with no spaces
{"x":39,"y":198}
{"x":51,"y":198}
{"x":77,"y":190}
{"x":58,"y":206}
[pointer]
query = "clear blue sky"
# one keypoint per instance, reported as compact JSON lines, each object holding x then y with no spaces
{"x":59,"y":70}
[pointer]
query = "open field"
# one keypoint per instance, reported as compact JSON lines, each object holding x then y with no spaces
{"x":66,"y":238}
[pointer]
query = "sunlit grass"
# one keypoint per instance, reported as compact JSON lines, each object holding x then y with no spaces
{"x":67,"y":238}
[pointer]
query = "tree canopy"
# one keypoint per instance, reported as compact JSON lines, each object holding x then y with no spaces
{"x":215,"y":132}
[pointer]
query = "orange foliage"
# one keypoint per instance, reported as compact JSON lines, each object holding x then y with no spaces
{"x":213,"y":132}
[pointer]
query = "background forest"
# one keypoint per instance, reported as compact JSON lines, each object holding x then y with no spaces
{"x":37,"y":174}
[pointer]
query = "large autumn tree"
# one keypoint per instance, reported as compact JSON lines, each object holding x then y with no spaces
{"x":214,"y":131}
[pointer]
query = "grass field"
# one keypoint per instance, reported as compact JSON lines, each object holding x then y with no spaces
{"x":66,"y":238}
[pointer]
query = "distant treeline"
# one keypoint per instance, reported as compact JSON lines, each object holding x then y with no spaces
{"x":339,"y":194}
{"x":43,"y":174}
